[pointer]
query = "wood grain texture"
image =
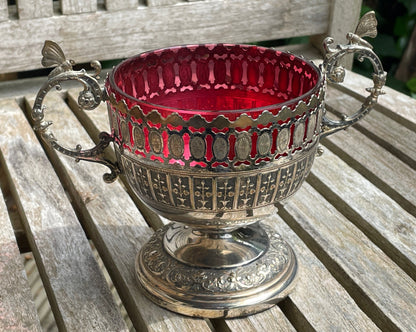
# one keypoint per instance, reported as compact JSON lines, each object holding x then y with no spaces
{"x":15,"y":218}
{"x":113,"y":5}
{"x":86,"y":36}
{"x":113,"y":222}
{"x":388,"y":173}
{"x":76,"y":288}
{"x":96,"y":122}
{"x":70,"y":7}
{"x":272,"y":319}
{"x":153,"y":3}
{"x":382,"y":290}
{"x":29,"y":9}
{"x":17,"y":308}
{"x":393,"y":133}
{"x":392,"y":227}
{"x":4,"y":11}
{"x":318,"y":292}
{"x":393,"y":104}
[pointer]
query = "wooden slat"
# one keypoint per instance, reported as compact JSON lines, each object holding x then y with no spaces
{"x":272,"y":319}
{"x":76,"y":288}
{"x":113,"y":5}
{"x":17,"y":309}
{"x":146,"y":28}
{"x":70,"y":7}
{"x":28,"y":9}
{"x":113,"y":222}
{"x":154,"y":3}
{"x":382,"y":290}
{"x":4,"y":12}
{"x":339,"y":24}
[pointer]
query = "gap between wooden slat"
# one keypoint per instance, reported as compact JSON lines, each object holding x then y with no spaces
{"x":14,"y":216}
{"x":155,"y":3}
{"x":359,"y":296}
{"x":373,"y":178}
{"x":295,"y":316}
{"x":392,"y":252}
{"x":46,"y":317}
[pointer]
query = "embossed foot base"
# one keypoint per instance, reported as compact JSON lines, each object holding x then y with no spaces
{"x":216,"y":292}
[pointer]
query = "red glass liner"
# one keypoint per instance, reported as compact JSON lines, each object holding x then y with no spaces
{"x":212,"y":80}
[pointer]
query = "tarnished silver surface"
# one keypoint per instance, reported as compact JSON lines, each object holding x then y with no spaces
{"x":217,"y":176}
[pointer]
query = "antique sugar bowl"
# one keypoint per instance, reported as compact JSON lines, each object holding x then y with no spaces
{"x":211,"y":137}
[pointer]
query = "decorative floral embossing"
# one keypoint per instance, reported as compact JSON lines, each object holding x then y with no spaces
{"x":203,"y":193}
{"x":247,"y":191}
{"x":193,"y":280}
{"x":225,"y":193}
{"x":160,"y":186}
{"x":268,"y":184}
{"x":285,"y":181}
{"x":182,"y":189}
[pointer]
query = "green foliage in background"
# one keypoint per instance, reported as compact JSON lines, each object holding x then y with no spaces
{"x":396,"y":20}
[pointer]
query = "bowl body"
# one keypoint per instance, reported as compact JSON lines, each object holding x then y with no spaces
{"x":213,"y":135}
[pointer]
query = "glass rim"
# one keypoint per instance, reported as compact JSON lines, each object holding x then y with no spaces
{"x":111,"y":81}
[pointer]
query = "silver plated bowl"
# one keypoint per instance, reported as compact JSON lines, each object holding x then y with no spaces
{"x":212,"y":137}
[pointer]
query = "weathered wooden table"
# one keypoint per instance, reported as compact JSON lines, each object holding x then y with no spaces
{"x":352,"y":225}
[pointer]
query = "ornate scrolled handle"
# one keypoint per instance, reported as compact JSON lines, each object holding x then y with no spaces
{"x":89,"y":98}
{"x":336,"y":73}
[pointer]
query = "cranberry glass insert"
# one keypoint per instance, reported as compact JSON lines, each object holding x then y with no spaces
{"x":212,"y":82}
